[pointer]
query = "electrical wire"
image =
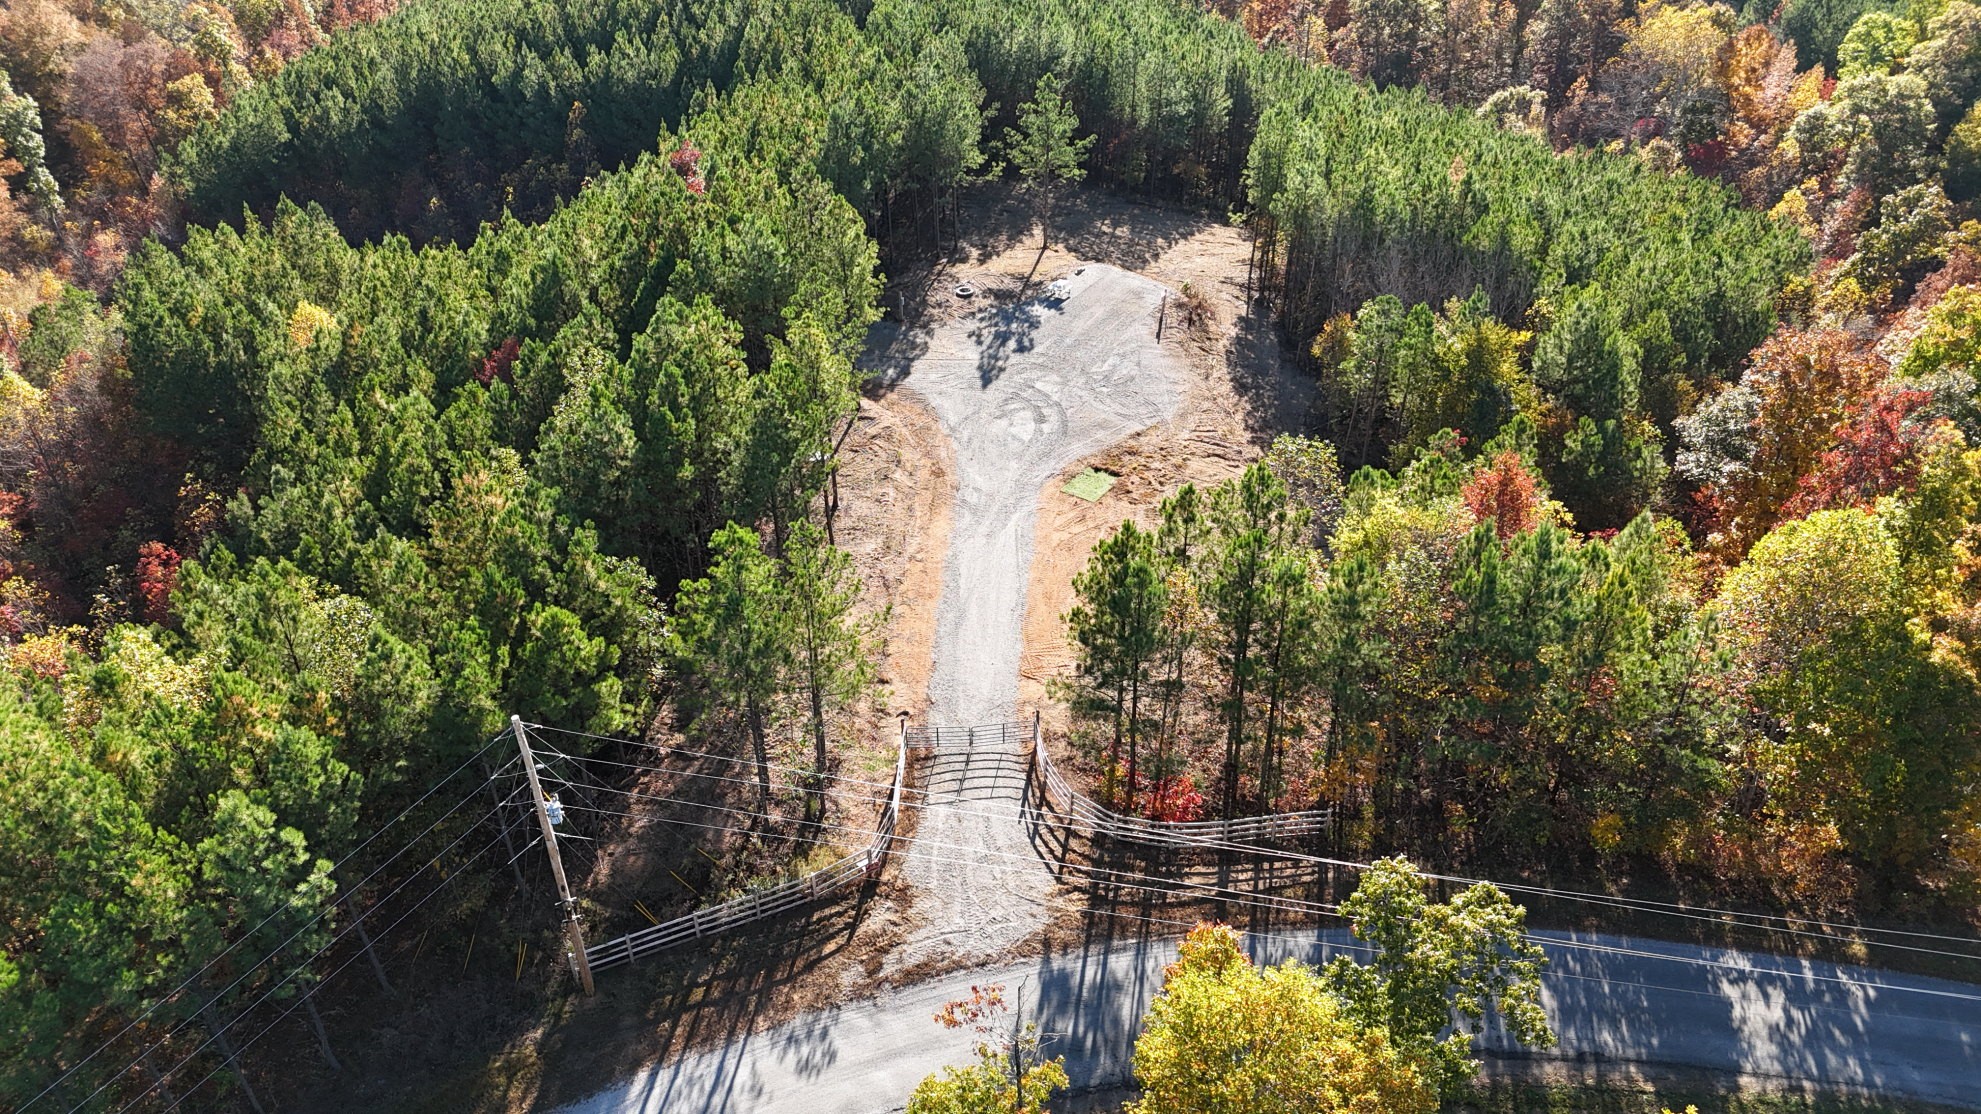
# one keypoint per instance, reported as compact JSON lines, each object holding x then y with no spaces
{"x":335,"y":939}
{"x":1294,"y":905}
{"x":1687,"y":912}
{"x":279,"y":1018}
{"x":1116,"y":879}
{"x":1639,"y":904}
{"x":222,"y":954}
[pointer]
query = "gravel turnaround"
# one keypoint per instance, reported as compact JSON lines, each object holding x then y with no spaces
{"x":1024,"y":391}
{"x":1796,"y":1021}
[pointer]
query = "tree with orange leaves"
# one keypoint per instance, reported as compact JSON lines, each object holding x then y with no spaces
{"x":1503,"y":491}
{"x":1804,"y":382}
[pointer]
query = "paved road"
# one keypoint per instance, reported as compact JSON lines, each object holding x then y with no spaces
{"x":1758,"y":1015}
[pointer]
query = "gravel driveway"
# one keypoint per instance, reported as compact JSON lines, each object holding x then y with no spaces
{"x":1024,"y":391}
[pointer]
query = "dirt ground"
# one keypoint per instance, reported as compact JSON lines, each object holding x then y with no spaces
{"x":896,"y":483}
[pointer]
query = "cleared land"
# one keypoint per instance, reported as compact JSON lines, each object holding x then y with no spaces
{"x":1024,"y":389}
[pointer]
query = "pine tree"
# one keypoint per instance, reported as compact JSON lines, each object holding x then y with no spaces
{"x":832,"y":650}
{"x":1255,"y":524}
{"x":732,"y":632}
{"x":1043,"y":148}
{"x":1117,"y":626}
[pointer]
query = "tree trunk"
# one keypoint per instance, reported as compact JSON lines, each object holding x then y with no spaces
{"x":815,"y":798}
{"x":1134,"y":735}
{"x":160,"y":1083}
{"x":1114,"y":750}
{"x":316,"y":1025}
{"x":228,"y":1057}
{"x":377,"y":968}
{"x":1241,"y":660}
{"x":761,"y":748}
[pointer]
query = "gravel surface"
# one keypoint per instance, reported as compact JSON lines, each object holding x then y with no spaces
{"x":1024,"y":390}
{"x":1780,"y":1022}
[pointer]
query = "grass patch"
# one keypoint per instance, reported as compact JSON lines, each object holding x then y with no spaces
{"x":1089,"y":485}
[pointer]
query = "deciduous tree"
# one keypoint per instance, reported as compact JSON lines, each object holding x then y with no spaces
{"x":1435,"y":960}
{"x":1226,"y":1037}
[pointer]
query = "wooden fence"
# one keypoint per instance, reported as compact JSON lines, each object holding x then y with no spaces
{"x":1081,"y":812}
{"x":1076,"y":812}
{"x":853,"y":870}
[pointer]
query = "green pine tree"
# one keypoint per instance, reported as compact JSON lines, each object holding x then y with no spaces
{"x":1043,"y":149}
{"x":832,"y":649}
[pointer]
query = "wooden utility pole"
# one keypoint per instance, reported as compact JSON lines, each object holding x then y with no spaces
{"x":573,"y":929}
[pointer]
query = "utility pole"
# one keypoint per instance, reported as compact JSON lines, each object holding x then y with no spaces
{"x":1018,"y":1053}
{"x":573,"y":928}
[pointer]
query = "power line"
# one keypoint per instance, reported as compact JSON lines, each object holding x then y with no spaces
{"x":1297,"y":905}
{"x":190,"y":979}
{"x":279,"y":1018}
{"x":1167,"y":887}
{"x":1671,"y":909}
{"x":304,"y":927}
{"x":1641,"y":904}
{"x":1123,"y":880}
{"x":217,"y":1032}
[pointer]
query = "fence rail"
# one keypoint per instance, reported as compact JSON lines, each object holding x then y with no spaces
{"x":1078,"y":811}
{"x":1086,"y":813}
{"x":960,"y":738}
{"x":850,"y":871}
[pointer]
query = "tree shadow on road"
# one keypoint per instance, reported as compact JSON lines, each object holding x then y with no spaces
{"x":1002,"y":332}
{"x":709,"y":994}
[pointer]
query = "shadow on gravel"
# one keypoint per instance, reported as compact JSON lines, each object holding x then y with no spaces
{"x":1002,"y":332}
{"x":890,"y":354}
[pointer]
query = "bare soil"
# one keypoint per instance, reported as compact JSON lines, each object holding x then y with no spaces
{"x":896,"y":483}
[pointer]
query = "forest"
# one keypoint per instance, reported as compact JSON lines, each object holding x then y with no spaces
{"x":367,"y":378}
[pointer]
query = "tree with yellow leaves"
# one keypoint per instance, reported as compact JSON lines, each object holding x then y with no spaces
{"x":1227,"y":1037}
{"x":1010,"y":1075}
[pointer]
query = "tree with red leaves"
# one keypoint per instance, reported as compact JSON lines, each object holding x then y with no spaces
{"x":686,"y":160}
{"x":158,"y":575}
{"x":1806,"y":382}
{"x":1503,"y":491}
{"x":499,"y":363}
{"x":1173,"y":799}
{"x":1877,"y":453}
